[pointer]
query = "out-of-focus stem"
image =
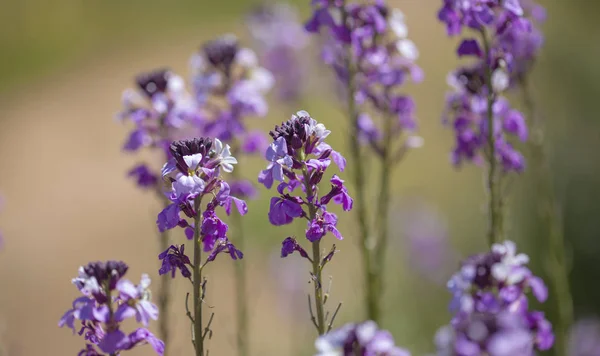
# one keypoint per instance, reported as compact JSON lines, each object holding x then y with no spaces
{"x":164,"y":290}
{"x":382,"y":216}
{"x":549,"y":210}
{"x":493,"y":184}
{"x":240,"y":280}
{"x":316,"y":258}
{"x":197,"y":280}
{"x":358,"y":180}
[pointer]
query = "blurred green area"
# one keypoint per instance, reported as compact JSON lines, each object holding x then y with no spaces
{"x":39,"y":38}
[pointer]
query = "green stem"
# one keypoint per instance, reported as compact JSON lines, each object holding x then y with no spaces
{"x":382,"y":217}
{"x":549,"y":210}
{"x":494,"y":209}
{"x":197,"y":280}
{"x":240,"y":281}
{"x":358,"y":181}
{"x":316,"y":255}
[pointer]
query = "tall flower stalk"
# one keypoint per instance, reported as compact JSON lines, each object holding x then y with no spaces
{"x":481,"y":117}
{"x":368,"y":49}
{"x":229,"y":86}
{"x":159,"y":111}
{"x":526,"y":48}
{"x":299,"y":157}
{"x":197,"y":189}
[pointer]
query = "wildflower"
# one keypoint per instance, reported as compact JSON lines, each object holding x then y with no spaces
{"x":491,"y":309}
{"x":99,"y":307}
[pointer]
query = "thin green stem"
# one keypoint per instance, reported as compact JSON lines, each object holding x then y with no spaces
{"x":197,"y":280}
{"x":316,"y":258}
{"x":358,"y":181}
{"x":240,"y":280}
{"x":549,"y":210}
{"x":382,"y":217}
{"x":493,"y":184}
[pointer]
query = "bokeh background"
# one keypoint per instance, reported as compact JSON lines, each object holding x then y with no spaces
{"x":63,"y":66}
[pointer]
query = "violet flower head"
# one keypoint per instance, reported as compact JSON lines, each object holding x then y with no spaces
{"x":492,"y":314}
{"x":358,"y":339}
{"x":504,"y":55}
{"x":299,"y":157}
{"x":194,"y":172}
{"x":160,"y":110}
{"x":109,"y":299}
{"x":281,"y":43}
{"x":230,"y":88}
{"x":369,"y":42}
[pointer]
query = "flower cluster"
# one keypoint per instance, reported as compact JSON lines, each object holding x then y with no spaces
{"x":281,"y":42}
{"x":370,"y":52}
{"x":506,"y":49}
{"x":358,"y":339}
{"x":229,"y":87}
{"x":492,"y":315}
{"x":109,"y":299}
{"x":160,"y":109}
{"x":193,"y":173}
{"x":300,"y":154}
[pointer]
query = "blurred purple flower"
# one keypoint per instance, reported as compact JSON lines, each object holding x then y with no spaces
{"x":584,"y":338}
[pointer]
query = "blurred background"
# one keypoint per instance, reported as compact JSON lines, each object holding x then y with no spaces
{"x":67,"y":200}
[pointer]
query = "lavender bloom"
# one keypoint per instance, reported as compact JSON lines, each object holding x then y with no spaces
{"x":504,"y":57}
{"x":584,"y":338}
{"x":374,"y":42}
{"x":194,"y":172}
{"x":295,"y":143}
{"x":101,"y":311}
{"x":358,"y":339}
{"x":281,"y":41}
{"x":160,"y":110}
{"x":492,"y":315}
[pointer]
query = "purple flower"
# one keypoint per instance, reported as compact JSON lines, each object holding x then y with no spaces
{"x":282,"y":210}
{"x":136,"y":301}
{"x":491,"y":310}
{"x":289,"y":245}
{"x":280,"y":40}
{"x":318,"y":227}
{"x":358,"y":339}
{"x":373,"y":39}
{"x":97,"y":281}
{"x":339,"y":193}
{"x":223,"y":245}
{"x":277,"y":154}
{"x":173,"y":259}
{"x":144,"y":177}
{"x":212,"y":229}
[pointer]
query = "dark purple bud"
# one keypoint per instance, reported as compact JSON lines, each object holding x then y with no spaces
{"x":153,"y":82}
{"x":221,"y":52}
{"x":182,"y":148}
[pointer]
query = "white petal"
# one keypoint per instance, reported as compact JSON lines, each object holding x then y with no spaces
{"x":397,"y":23}
{"x":246,"y":57}
{"x":193,"y":161}
{"x":500,"y":271}
{"x":407,"y":49}
{"x":262,"y":79}
{"x":414,"y":141}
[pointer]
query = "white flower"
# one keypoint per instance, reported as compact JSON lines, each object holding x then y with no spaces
{"x":407,"y":49}
{"x":397,"y":24}
{"x":223,"y":155}
{"x":500,"y":80}
{"x":262,"y":79}
{"x":414,"y":141}
{"x":246,"y":58}
{"x":313,"y":128}
{"x":510,"y":268}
